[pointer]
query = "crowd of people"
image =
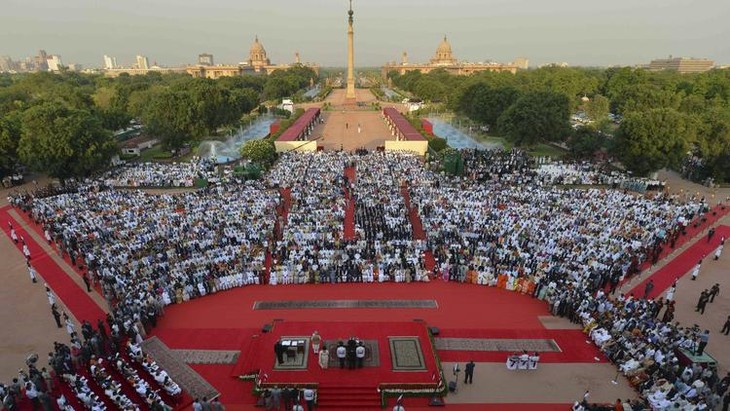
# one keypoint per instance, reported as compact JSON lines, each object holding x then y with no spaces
{"x":579,"y":173}
{"x":160,"y":175}
{"x":97,"y":371}
{"x":504,"y":224}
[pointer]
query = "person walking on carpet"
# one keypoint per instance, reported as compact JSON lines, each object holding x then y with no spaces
{"x":469,"y":372}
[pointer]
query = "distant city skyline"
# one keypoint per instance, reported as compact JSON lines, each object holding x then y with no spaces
{"x":173,"y":33}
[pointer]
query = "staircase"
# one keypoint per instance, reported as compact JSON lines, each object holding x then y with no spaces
{"x":248,"y":357}
{"x":348,"y":398}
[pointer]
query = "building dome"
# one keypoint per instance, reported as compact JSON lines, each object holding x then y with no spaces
{"x":257,"y":54}
{"x":443,"y":56}
{"x":444,"y":47}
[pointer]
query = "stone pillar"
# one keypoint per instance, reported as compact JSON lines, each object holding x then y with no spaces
{"x":350,"y":93}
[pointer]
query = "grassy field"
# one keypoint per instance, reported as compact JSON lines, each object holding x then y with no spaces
{"x":543,"y":150}
{"x":157,"y":153}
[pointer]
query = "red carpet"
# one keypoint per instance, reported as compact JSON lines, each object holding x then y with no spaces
{"x":233,"y":391}
{"x":39,"y":230}
{"x":571,"y":342}
{"x":349,"y":223}
{"x":286,"y":203}
{"x":418,"y":233}
{"x":417,"y":227}
{"x":76,"y":299}
{"x":692,"y":232}
{"x":682,"y":264}
{"x":457,"y":304}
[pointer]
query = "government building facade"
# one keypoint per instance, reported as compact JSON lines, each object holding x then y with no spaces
{"x":257,"y":63}
{"x":444,"y":59}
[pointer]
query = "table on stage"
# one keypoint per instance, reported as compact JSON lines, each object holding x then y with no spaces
{"x":293,"y":347}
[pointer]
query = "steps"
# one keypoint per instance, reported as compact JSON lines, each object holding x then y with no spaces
{"x":248,"y":357}
{"x":348,"y":398}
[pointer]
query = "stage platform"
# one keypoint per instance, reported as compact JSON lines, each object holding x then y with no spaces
{"x":399,"y":354}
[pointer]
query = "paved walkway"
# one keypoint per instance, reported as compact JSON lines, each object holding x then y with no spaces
{"x":549,"y":383}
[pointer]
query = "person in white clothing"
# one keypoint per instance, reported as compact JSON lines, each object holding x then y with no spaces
{"x":696,"y":270}
{"x":718,"y":251}
{"x":33,"y":273}
{"x":324,"y":358}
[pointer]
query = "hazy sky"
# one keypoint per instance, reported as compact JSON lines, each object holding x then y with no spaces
{"x":172,"y":32}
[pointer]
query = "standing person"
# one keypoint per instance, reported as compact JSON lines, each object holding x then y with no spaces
{"x":316,"y":342}
{"x":671,"y":291}
{"x":360,"y":354}
{"x":696,"y":270}
{"x":702,"y":302}
{"x":341,"y":353}
{"x":70,"y":327}
{"x":217,"y":406}
{"x":50,"y":295}
{"x":26,"y":251}
{"x":85,"y":277}
{"x":704,"y":339}
{"x":469,"y":372}
{"x":647,"y":289}
{"x":324,"y":358}
{"x":290,"y":397}
{"x":726,"y":327}
{"x":351,"y":354}
{"x":279,"y":351}
{"x":276,"y":398}
{"x":32,"y":393}
{"x":56,"y":315}
{"x":718,"y":250}
{"x":309,"y":398}
{"x":13,"y":234}
{"x":32,"y":272}
{"x":714,"y":291}
{"x":710,"y":234}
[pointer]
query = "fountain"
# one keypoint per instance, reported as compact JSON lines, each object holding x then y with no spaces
{"x":457,"y":138}
{"x":226,"y":151}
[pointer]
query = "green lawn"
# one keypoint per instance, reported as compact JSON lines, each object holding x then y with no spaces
{"x":542,"y":150}
{"x":154,"y":153}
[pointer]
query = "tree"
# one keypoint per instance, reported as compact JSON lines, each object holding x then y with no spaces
{"x":537,"y":117}
{"x":585,"y":142}
{"x":597,"y":108}
{"x":9,"y":138}
{"x":713,"y":143}
{"x":64,"y":142}
{"x":650,"y":140}
{"x":171,"y":116}
{"x":261,"y":151}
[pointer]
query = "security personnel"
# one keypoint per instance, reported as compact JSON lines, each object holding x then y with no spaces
{"x":341,"y":353}
{"x":360,"y":354}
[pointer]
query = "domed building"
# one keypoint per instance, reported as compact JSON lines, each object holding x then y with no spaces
{"x":256,"y":63}
{"x":444,"y":59}
{"x":443,"y":56}
{"x":257,"y":55}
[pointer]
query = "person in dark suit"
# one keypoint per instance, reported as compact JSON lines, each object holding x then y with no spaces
{"x":279,"y":350}
{"x":469,"y":372}
{"x":351,"y":353}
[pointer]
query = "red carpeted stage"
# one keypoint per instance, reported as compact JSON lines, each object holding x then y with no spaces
{"x":400,"y":354}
